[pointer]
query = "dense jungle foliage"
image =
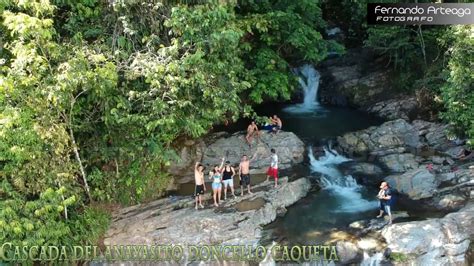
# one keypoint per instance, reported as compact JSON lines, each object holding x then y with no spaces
{"x":94,"y":94}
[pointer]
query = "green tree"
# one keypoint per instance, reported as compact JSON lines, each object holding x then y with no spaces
{"x":458,"y":91}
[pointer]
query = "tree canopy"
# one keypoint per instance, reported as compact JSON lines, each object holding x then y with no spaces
{"x":95,"y":94}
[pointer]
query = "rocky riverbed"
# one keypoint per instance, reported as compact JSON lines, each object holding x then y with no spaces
{"x":423,"y":167}
{"x":237,"y":221}
{"x":421,"y":159}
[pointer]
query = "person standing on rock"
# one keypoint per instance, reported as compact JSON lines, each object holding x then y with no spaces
{"x":252,"y":130}
{"x":273,"y":169}
{"x":216,"y":177}
{"x":244,"y":173}
{"x":228,"y":173}
{"x":200,"y":184}
{"x":387,"y":200}
{"x":381,"y":202}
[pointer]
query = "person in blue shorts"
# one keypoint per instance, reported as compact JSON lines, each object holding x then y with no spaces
{"x":216,"y":176}
{"x":387,"y":200}
{"x":228,"y":173}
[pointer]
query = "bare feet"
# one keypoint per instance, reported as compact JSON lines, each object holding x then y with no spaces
{"x":215,"y":204}
{"x":380,"y":215}
{"x":196,"y":207}
{"x":202,"y":207}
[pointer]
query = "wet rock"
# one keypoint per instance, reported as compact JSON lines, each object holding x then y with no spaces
{"x":372,"y":225}
{"x":443,"y":241}
{"x":167,"y":221}
{"x":390,"y":136}
{"x":365,"y":169}
{"x":281,"y":211}
{"x":349,"y":83}
{"x":348,"y":252}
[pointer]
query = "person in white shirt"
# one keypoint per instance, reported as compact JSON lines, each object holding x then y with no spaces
{"x":273,"y":169}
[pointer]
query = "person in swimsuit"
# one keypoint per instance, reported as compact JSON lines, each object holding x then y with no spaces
{"x":244,"y":173}
{"x":277,"y":124}
{"x":273,"y":169}
{"x":200,"y":185}
{"x":228,"y":173}
{"x":252,"y":130}
{"x":216,"y":177}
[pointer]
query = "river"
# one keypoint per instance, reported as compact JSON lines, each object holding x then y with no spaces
{"x":318,"y":217}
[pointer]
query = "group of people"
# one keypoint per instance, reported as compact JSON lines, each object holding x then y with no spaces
{"x":273,"y":125}
{"x":222,"y":177}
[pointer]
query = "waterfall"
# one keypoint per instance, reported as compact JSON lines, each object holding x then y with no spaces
{"x":344,"y":187}
{"x":308,"y":78}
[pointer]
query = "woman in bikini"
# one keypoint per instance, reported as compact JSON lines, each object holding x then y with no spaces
{"x":216,"y":176}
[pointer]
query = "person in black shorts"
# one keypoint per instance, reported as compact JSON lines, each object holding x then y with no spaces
{"x":244,"y":173}
{"x":200,"y":185}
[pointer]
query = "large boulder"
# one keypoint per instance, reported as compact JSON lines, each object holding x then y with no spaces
{"x":417,"y":183}
{"x":404,"y":108}
{"x":443,"y":241}
{"x":357,"y":78}
{"x":289,"y":148}
{"x":348,"y":252}
{"x":210,"y":150}
{"x":390,"y":137}
{"x":237,"y":221}
{"x":399,"y":162}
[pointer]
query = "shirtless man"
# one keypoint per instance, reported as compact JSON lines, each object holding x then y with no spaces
{"x":244,"y":174}
{"x":277,"y":123}
{"x":252,"y":130}
{"x":200,"y":185}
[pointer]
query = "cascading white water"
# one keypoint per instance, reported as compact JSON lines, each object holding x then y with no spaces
{"x":344,"y":187}
{"x":373,"y":260}
{"x":309,"y":81}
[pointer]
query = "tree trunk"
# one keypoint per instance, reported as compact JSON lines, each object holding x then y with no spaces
{"x":81,"y":167}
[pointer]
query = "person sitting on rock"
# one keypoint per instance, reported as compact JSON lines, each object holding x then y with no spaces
{"x":216,"y":177}
{"x":273,"y":169}
{"x":252,"y":130}
{"x":228,"y":173}
{"x":277,"y":124}
{"x":200,"y":185}
{"x":268,"y":125}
